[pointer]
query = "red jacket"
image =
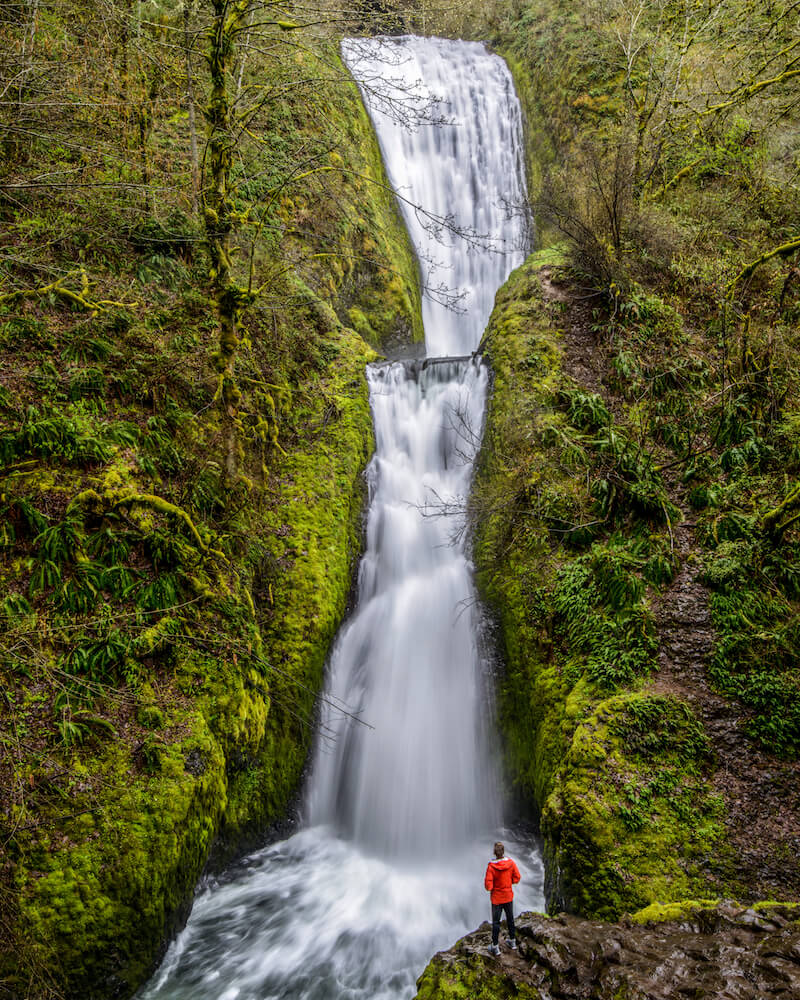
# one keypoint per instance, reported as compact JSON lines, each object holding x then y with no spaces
{"x":500,"y":876}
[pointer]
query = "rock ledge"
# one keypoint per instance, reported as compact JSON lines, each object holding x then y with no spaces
{"x":722,"y":951}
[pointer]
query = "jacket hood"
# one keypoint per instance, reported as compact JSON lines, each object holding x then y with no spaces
{"x":501,"y":862}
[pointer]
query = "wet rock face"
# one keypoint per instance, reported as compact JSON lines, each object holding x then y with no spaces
{"x":718,"y":953}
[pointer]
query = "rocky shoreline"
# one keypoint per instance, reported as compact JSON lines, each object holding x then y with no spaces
{"x":723,"y":951}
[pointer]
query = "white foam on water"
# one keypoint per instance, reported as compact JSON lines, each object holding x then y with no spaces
{"x":317,"y":917}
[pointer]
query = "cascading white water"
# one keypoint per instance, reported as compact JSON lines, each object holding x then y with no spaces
{"x":403,"y":803}
{"x":450,"y":128}
{"x":408,"y":660}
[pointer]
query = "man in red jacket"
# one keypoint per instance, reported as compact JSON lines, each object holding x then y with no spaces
{"x":501,"y":874}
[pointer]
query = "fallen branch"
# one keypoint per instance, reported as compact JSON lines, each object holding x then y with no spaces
{"x":683,"y":172}
{"x":57,"y":288}
{"x":156,"y":503}
{"x":771,"y":521}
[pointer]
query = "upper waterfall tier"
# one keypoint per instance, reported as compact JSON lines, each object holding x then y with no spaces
{"x":450,"y":127}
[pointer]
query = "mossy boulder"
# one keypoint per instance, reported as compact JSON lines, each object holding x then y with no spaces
{"x":632,"y":816}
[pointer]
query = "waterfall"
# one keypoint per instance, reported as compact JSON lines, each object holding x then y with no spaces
{"x":403,"y":799}
{"x":450,"y":128}
{"x":408,"y":660}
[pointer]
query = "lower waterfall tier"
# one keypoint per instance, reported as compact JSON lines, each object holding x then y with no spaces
{"x":316,"y":917}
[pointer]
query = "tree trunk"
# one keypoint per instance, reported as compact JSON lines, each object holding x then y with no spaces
{"x":187,"y":44}
{"x":229,"y":20}
{"x":19,"y":148}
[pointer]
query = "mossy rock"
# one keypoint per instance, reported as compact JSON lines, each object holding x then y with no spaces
{"x":471,"y":978}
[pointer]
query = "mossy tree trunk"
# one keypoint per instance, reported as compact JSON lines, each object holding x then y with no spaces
{"x":18,"y":146}
{"x":188,"y":9}
{"x":230,"y":19}
{"x":226,"y":121}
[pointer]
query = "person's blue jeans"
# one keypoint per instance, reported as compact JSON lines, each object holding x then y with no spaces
{"x":497,"y":912}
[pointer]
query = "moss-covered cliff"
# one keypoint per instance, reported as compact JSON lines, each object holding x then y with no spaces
{"x":620,"y":780}
{"x":640,"y":446}
{"x":165,"y":625}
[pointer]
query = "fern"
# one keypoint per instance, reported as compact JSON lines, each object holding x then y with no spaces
{"x":60,"y":542}
{"x":86,"y":348}
{"x":119,"y":581}
{"x":656,"y":725}
{"x":160,"y":594}
{"x":586,"y":410}
{"x":79,"y":593}
{"x":164,"y":551}
{"x":159,"y":452}
{"x":19,"y":518}
{"x":600,"y":613}
{"x":54,"y":435}
{"x":99,"y":660}
{"x":205,"y":492}
{"x":14,"y":607}
{"x":45,"y":576}
{"x":158,"y":268}
{"x":111,"y":545}
{"x":88,"y":382}
{"x":72,"y":733}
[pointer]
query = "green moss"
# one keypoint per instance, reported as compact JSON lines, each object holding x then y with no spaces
{"x":472,"y":977}
{"x":513,"y":554}
{"x":315,"y":540}
{"x":110,"y":877}
{"x":621,"y":782}
{"x":680,"y":910}
{"x":243,"y":642}
{"x":792,"y":910}
{"x":554,"y":255}
{"x":632,"y":817}
{"x":371,"y":275}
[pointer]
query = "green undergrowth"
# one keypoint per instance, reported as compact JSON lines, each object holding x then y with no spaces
{"x":573,"y":526}
{"x":726,"y":433}
{"x":700,"y":327}
{"x":163,"y":624}
{"x":754,"y":606}
{"x":160,"y":667}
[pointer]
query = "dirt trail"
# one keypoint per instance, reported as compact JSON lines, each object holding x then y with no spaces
{"x":761,"y":792}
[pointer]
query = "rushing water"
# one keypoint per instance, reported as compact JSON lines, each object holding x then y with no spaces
{"x":403,"y":802}
{"x":450,"y":128}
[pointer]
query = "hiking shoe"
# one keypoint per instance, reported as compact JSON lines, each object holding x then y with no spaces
{"x":512,"y":944}
{"x":494,"y":949}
